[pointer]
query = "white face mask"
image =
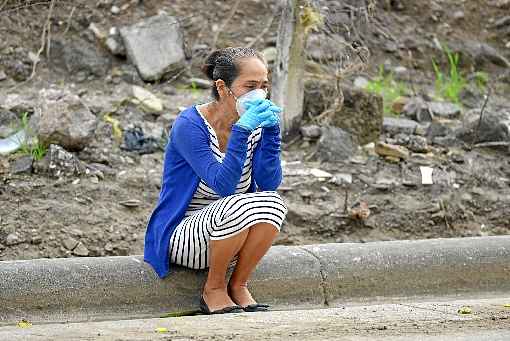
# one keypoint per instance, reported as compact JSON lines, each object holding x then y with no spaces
{"x":249,"y":96}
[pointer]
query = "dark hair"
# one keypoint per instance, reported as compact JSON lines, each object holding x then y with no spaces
{"x":224,"y":64}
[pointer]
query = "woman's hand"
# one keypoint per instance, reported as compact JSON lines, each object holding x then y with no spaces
{"x":274,"y":119}
{"x":258,"y":112}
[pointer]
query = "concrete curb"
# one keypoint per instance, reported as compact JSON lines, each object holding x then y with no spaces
{"x":78,"y":289}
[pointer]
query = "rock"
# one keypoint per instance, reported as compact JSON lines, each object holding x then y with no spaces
{"x":323,"y":48}
{"x":22,"y":165}
{"x":361,"y":82}
{"x":58,"y":162}
{"x":418,"y":144}
{"x":311,"y":132}
{"x":3,"y":76}
{"x":78,"y":58}
{"x":341,"y":179}
{"x":64,"y":120}
{"x":361,"y":113}
{"x":81,"y":250}
{"x":69,"y":243}
{"x":108,"y":247}
{"x":116,"y":46}
{"x":155,"y":45}
{"x":416,"y":109}
{"x":115,"y":10}
{"x":495,"y":126}
{"x":477,"y":54}
{"x":199,"y":83}
{"x":334,"y":145}
{"x":13,"y":239}
{"x":98,"y":33}
{"x":9,"y":123}
{"x":392,"y":151}
{"x":146,"y":99}
{"x":398,"y":104}
{"x":270,"y":54}
{"x":437,"y":129}
{"x":445,"y":110}
{"x":394,"y":126}
{"x":458,"y":15}
{"x":319,"y":173}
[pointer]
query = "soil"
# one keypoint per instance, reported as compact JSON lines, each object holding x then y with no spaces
{"x":41,"y":216}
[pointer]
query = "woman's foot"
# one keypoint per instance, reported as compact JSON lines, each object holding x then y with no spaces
{"x":240,"y":294}
{"x":217,"y":298}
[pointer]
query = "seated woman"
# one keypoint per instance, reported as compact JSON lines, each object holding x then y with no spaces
{"x":218,"y":203}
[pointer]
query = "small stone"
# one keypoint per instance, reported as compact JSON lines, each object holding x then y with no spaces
{"x":146,"y":99}
{"x":341,"y":179}
{"x":36,"y":240}
{"x":457,"y":15}
{"x":418,"y":144}
{"x":392,"y":151}
{"x":270,"y":54}
{"x":130,"y":203}
{"x":115,"y":46}
{"x":70,"y":243}
{"x":81,"y":250}
{"x":361,"y":82}
{"x":115,"y":10}
{"x":318,"y":173}
{"x":445,"y":110}
{"x":393,"y":125}
{"x":108,"y":247}
{"x":22,"y":165}
{"x":398,"y":104}
{"x":311,"y":132}
{"x":12,"y":239}
{"x":3,"y":76}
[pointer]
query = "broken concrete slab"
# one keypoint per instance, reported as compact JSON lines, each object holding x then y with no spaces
{"x":155,"y":46}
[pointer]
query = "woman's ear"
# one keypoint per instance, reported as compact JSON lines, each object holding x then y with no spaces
{"x":223,"y":91}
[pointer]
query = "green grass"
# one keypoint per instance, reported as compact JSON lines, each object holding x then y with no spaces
{"x":389,"y":89}
{"x":450,"y":83}
{"x":28,"y":146}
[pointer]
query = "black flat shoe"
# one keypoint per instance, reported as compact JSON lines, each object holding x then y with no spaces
{"x":250,"y":308}
{"x":227,"y":310}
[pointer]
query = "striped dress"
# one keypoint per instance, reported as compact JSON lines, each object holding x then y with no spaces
{"x":211,"y":217}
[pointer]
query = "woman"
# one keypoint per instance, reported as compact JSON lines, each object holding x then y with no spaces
{"x":218,"y":202}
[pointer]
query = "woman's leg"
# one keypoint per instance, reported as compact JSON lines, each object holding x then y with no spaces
{"x":221,"y":253}
{"x":257,"y":243}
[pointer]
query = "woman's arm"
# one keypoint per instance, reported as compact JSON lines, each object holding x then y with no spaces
{"x":191,"y":142}
{"x":267,"y":168}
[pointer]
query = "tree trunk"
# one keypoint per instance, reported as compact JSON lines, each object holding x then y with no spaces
{"x":288,"y":76}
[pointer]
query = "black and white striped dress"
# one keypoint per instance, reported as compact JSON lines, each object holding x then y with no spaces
{"x":210,"y":217}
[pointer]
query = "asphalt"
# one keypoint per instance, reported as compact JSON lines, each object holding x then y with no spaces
{"x":288,"y":278}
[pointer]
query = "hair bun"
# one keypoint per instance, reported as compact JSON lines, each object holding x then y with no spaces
{"x":210,"y":63}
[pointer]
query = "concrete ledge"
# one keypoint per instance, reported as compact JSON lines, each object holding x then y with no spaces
{"x":396,"y":269}
{"x":80,"y":289}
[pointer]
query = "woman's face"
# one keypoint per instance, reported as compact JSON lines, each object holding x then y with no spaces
{"x":252,"y":75}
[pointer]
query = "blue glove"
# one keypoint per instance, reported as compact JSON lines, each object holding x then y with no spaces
{"x":274,"y":119}
{"x":257,"y":112}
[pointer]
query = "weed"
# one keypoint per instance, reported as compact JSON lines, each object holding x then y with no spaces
{"x":386,"y":86}
{"x":450,"y":84}
{"x":29,"y":144}
{"x":481,"y":80}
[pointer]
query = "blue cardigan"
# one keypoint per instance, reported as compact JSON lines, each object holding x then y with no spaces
{"x":189,"y":158}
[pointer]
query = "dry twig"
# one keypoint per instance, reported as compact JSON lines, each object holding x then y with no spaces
{"x":224,"y":24}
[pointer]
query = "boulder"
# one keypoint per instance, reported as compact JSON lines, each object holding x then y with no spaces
{"x":78,"y":58}
{"x":335,"y":144}
{"x":64,"y":120}
{"x":494,"y":127}
{"x":9,"y":123}
{"x":361,"y":113}
{"x":392,"y":125}
{"x":155,"y":45}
